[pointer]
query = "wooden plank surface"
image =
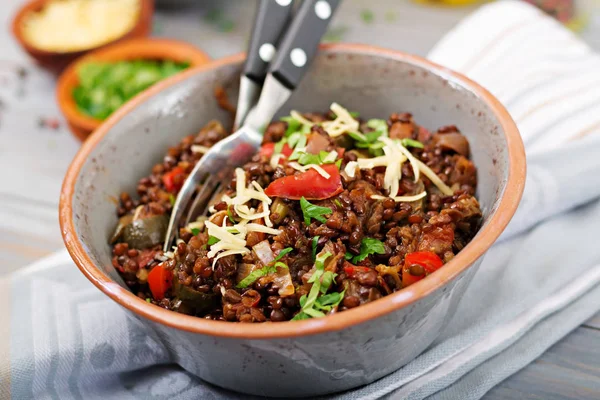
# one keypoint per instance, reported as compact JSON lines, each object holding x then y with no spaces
{"x":33,"y":159}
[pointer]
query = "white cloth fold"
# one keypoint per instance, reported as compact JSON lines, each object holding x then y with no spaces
{"x":530,"y":291}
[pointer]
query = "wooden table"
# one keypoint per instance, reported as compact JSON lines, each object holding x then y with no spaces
{"x":34,"y":156}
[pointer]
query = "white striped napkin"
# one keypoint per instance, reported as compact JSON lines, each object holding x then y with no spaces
{"x":530,"y":291}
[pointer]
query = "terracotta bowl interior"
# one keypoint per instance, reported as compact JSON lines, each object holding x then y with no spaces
{"x":56,"y":61}
{"x":148,"y":49}
{"x":372,"y":81}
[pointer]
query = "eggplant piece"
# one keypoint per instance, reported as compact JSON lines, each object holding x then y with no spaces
{"x":123,"y":222}
{"x":144,"y":233}
{"x":452,"y":141}
{"x":190,"y":301}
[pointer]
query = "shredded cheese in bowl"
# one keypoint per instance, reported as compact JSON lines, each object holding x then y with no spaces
{"x":75,"y":25}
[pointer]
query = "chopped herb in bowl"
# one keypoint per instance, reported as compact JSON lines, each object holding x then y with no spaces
{"x":106,"y":86}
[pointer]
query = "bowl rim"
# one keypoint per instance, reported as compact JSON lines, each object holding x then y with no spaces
{"x":146,"y":11}
{"x":145,"y":48}
{"x":486,"y":236}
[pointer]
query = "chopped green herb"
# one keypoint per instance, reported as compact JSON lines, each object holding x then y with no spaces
{"x":369,"y":246}
{"x":315,"y":242}
{"x":367,"y":16}
{"x":338,"y":203}
{"x":329,"y":301}
{"x":326,"y":281}
{"x":148,"y":299}
{"x":313,"y":211}
{"x":171,"y":199}
{"x":411,"y":143}
{"x":266,"y":270}
{"x":293,"y":125}
{"x":379,"y":125}
{"x":212,"y":240}
{"x":318,"y":300}
{"x":359,"y":137}
{"x":282,"y":253}
{"x":196,"y":231}
{"x":354,"y":114}
{"x":230,"y":215}
{"x":338,"y":163}
{"x":104,"y":86}
{"x":298,"y":142}
{"x":348,"y":255}
{"x":318,"y":159}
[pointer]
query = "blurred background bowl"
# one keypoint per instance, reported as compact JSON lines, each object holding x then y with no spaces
{"x":57,"y":61}
{"x":135,"y":49}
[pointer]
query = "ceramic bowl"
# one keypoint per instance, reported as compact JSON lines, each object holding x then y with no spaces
{"x":56,"y":61}
{"x":145,"y":48}
{"x":315,"y":356}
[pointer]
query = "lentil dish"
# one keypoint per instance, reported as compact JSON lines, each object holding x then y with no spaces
{"x":333,"y":212}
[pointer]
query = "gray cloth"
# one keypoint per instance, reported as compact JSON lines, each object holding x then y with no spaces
{"x":67,"y":340}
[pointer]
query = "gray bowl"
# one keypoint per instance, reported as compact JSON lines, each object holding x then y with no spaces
{"x":317,"y":356}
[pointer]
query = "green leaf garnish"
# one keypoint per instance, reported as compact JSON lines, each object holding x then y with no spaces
{"x":338,"y":203}
{"x":148,"y":299}
{"x":196,"y":231}
{"x":411,"y":143}
{"x":212,"y":240}
{"x":369,"y":246}
{"x":258,"y":273}
{"x":230,"y":215}
{"x":318,"y":159}
{"x":171,"y":199}
{"x":354,"y":114}
{"x":315,"y":242}
{"x":313,"y":211}
{"x":293,"y":125}
{"x":379,"y":125}
{"x":348,"y":255}
{"x":105,"y":86}
{"x":282,"y":253}
{"x":318,"y":301}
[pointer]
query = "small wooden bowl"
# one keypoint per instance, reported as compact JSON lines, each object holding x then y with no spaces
{"x":57,"y":61}
{"x":145,"y":49}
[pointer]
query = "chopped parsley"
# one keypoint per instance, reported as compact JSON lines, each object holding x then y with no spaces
{"x":254,"y":275}
{"x":315,"y":242}
{"x":411,"y":143}
{"x":282,"y":253}
{"x":230,"y":216}
{"x":370,"y":140}
{"x":317,"y":302}
{"x":323,"y":157}
{"x":368,"y":246}
{"x":148,"y":300}
{"x":338,"y":203}
{"x":196,"y":231}
{"x":313,"y":211}
{"x":212,"y":240}
{"x":266,"y":270}
{"x":171,"y":199}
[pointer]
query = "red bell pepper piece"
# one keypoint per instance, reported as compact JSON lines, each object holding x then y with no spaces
{"x":268,"y":149}
{"x":353,"y":271}
{"x":160,"y":280}
{"x":426,"y":259}
{"x":173,"y":180}
{"x":310,"y":184}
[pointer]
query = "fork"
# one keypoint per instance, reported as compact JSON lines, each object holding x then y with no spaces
{"x":296,"y":52}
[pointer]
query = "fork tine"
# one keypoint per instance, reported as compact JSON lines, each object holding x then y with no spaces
{"x":181,"y":205}
{"x":207,"y":192}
